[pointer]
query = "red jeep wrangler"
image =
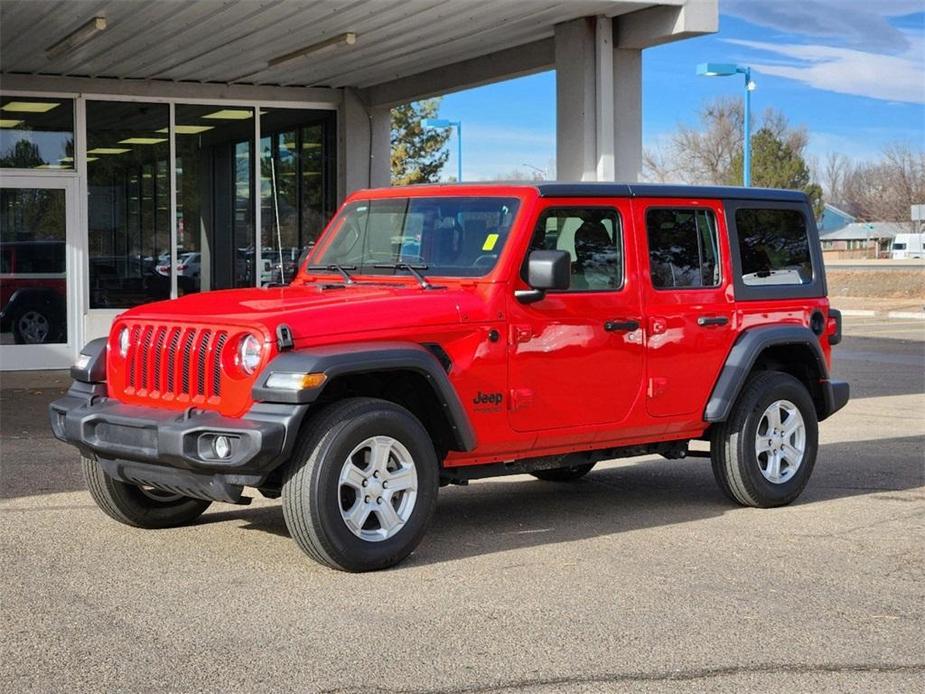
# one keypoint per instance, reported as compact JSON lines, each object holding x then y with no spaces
{"x":438,"y":334}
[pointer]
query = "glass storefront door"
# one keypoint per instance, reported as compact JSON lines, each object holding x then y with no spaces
{"x":37,"y":241}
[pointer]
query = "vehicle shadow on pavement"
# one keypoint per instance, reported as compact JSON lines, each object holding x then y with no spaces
{"x":506,"y":514}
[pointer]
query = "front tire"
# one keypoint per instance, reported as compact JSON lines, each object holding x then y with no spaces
{"x":362,"y":485}
{"x":764,"y":454}
{"x":137,"y":506}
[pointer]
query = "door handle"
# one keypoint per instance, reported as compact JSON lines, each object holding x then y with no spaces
{"x":707,"y":321}
{"x":613,"y":326}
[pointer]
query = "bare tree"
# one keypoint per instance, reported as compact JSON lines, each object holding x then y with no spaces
{"x":884,"y":190}
{"x":711,"y":151}
{"x":519,"y":175}
{"x":835,"y":173}
{"x":702,"y":154}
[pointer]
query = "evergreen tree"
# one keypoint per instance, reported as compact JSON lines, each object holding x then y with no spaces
{"x":776,"y":163}
{"x":418,"y":154}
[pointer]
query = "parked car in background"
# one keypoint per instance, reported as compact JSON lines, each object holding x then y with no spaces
{"x":33,"y":292}
{"x":908,"y":246}
{"x":190,"y":265}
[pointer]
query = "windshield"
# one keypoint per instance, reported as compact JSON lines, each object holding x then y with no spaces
{"x":453,"y":237}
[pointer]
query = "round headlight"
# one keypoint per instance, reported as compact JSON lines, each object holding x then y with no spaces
{"x":124,"y":339}
{"x":249,"y":354}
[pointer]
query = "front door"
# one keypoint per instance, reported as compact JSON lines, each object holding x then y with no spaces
{"x":688,"y":300}
{"x":37,"y":298}
{"x":576,"y":357}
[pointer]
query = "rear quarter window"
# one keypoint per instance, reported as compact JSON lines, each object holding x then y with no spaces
{"x":774,"y":247}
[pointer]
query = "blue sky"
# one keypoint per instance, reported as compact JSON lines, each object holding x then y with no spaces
{"x":851,"y":71}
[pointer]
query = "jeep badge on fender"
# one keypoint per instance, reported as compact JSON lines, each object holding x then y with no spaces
{"x":614,"y":313}
{"x":491,"y":399}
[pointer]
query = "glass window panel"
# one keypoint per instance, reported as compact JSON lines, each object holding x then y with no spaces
{"x":33,"y":282}
{"x":36,"y":133}
{"x":215,"y":215}
{"x":296,"y":186}
{"x":593,"y":238}
{"x":773,"y":246}
{"x":450,"y":237}
{"x":129,"y":222}
{"x":683,"y":250}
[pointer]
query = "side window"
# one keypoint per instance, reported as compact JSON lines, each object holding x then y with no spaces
{"x":683,"y":248}
{"x":773,"y":246}
{"x":593,"y":238}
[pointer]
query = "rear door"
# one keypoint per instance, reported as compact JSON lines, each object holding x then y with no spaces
{"x":576,"y":357}
{"x":688,"y":301}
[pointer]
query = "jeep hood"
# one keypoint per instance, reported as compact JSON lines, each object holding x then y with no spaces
{"x":315,"y":310}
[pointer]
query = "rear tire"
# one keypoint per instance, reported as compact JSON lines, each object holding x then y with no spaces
{"x":764,"y":453}
{"x":140,"y":508}
{"x":564,"y":474}
{"x":361,"y":488}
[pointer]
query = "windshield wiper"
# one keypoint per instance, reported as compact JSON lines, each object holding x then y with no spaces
{"x":335,"y":267}
{"x":413,"y":269}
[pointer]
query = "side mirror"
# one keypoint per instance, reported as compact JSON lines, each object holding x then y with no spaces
{"x":545,"y":270}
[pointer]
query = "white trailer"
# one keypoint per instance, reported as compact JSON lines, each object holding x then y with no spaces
{"x":908,"y":246}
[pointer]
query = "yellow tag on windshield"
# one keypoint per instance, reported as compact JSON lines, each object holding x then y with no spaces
{"x":490,"y":242}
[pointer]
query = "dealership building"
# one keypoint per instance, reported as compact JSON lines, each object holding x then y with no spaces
{"x":149,"y":149}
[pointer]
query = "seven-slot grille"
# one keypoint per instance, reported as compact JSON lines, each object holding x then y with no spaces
{"x":174,"y":361}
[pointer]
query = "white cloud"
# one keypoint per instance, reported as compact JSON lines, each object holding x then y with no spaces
{"x":848,"y":71}
{"x":863,"y":23}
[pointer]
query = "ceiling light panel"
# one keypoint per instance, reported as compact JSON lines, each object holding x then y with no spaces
{"x":29,"y":106}
{"x":231,"y":114}
{"x":142,"y":140}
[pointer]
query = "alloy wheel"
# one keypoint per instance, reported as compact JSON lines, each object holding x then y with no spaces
{"x":780,"y":441}
{"x":377,"y":488}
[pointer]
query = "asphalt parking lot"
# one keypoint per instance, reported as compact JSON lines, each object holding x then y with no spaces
{"x":641,"y":577}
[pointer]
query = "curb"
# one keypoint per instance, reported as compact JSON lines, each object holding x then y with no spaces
{"x":897,"y":315}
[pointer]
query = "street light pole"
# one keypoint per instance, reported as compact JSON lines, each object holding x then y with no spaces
{"x":441,"y":123}
{"x":458,"y":151}
{"x":747,"y":145}
{"x":725,"y":70}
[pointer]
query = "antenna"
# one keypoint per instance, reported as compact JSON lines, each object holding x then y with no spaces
{"x":279,"y":235}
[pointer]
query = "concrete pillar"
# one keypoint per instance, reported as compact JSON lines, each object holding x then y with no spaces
{"x":576,"y":136}
{"x":627,"y":114}
{"x":363,"y":145}
{"x":598,"y":103}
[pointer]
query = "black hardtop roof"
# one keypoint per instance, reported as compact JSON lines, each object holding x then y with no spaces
{"x":606,"y":189}
{"x":659,"y":190}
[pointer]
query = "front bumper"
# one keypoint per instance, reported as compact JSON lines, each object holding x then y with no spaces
{"x":172,"y":451}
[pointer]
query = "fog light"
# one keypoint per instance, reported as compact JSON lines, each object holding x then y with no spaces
{"x":221,"y":447}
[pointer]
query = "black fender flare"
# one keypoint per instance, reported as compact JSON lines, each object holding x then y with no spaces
{"x":367,"y":357}
{"x":742,"y":357}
